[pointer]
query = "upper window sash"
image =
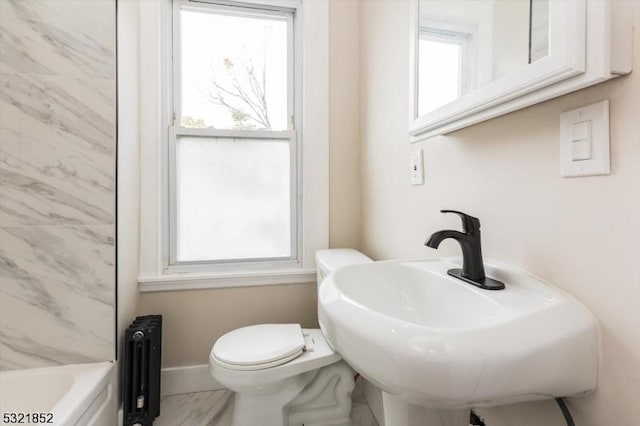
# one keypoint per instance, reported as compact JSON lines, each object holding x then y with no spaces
{"x":234,"y":8}
{"x":175,"y":130}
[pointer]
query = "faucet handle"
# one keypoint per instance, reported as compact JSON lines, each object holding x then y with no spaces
{"x":470,"y":224}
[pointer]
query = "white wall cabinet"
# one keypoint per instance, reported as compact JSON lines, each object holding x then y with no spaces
{"x":589,"y":42}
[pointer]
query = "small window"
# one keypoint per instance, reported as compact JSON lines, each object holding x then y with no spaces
{"x":452,"y":70}
{"x":233,"y":154}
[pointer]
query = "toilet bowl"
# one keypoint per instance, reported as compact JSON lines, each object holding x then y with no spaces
{"x":283,"y":374}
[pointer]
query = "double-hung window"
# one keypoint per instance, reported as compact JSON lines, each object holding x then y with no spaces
{"x":242,"y":185}
{"x":233,"y":164}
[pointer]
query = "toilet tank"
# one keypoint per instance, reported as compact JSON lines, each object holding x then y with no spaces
{"x":332,"y":259}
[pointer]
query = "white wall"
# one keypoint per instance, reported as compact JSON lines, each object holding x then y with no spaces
{"x":194,"y":319}
{"x":581,"y":234}
{"x":344,"y":125}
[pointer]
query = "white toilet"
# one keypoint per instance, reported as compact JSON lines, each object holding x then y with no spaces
{"x":284,"y":375}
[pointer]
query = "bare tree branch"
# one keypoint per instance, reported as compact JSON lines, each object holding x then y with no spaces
{"x":240,"y":95}
{"x":258,"y":90}
{"x":243,"y":104}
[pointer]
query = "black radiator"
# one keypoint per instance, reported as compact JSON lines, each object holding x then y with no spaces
{"x":141,"y":371}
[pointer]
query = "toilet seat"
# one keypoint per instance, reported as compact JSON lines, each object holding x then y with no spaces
{"x":259,"y":346}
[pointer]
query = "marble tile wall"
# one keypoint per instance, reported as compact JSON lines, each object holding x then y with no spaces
{"x":57,"y":182}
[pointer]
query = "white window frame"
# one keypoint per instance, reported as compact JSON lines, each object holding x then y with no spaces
{"x":176,"y":131}
{"x":309,"y":133}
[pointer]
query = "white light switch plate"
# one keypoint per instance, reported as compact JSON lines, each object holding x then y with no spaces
{"x":584,"y":141}
{"x":416,"y":168}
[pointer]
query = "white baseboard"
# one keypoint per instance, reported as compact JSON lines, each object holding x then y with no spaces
{"x":193,"y":378}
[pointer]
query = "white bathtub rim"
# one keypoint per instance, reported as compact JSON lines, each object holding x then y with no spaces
{"x":87,"y":376}
{"x":88,"y":381}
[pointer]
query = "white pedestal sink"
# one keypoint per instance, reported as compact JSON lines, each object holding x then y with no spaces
{"x":438,"y":346}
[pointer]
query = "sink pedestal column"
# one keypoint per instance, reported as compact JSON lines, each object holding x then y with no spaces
{"x":398,"y":412}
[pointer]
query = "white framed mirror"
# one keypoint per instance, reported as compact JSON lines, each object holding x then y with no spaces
{"x":471,"y":60}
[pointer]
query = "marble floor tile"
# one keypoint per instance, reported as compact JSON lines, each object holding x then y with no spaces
{"x":214,"y":408}
{"x":196,"y":409}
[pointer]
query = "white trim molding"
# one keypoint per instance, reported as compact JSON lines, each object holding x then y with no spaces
{"x":191,"y":281}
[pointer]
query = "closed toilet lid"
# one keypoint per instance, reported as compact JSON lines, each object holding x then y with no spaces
{"x":261,"y":346}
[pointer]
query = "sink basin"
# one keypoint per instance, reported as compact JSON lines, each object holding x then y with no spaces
{"x":430,"y":339}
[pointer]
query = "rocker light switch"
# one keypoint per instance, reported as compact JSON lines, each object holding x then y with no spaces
{"x":584,"y":141}
{"x":581,"y":141}
{"x":581,"y":150}
{"x":580,"y":131}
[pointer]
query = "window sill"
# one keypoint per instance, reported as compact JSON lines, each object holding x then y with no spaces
{"x":191,"y":281}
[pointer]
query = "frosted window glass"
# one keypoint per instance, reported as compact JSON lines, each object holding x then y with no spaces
{"x":233,"y":71}
{"x":233,"y":199}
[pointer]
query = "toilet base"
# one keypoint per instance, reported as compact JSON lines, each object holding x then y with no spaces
{"x":326,"y":400}
{"x":317,"y":397}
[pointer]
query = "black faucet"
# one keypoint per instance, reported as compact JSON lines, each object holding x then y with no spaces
{"x":469,"y":239}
